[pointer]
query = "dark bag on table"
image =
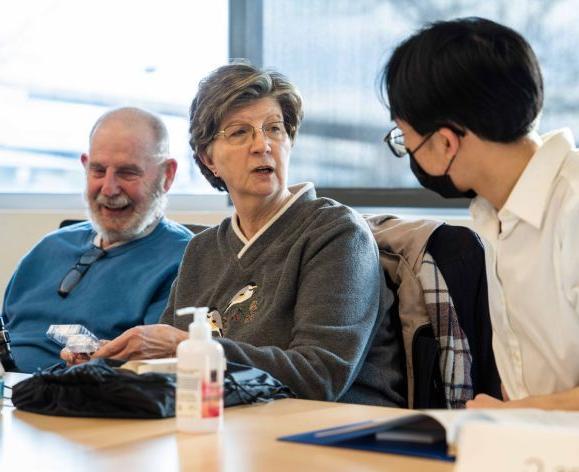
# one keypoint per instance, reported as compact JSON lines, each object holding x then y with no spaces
{"x":244,"y":384}
{"x":100,"y":389}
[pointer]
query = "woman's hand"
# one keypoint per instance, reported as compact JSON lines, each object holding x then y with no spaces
{"x":144,"y":342}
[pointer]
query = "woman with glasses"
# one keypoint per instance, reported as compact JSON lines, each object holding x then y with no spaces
{"x":294,"y":280}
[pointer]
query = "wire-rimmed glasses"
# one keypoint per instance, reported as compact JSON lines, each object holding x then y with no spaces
{"x":241,"y":133}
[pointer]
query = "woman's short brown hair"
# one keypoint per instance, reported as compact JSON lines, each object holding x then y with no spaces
{"x":232,"y":87}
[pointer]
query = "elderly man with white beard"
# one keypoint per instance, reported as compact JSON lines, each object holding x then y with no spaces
{"x":116,"y":270}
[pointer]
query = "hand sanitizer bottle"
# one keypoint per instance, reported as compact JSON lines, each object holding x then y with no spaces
{"x":200,"y":366}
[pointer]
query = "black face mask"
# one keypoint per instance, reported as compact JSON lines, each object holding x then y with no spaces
{"x":441,"y":184}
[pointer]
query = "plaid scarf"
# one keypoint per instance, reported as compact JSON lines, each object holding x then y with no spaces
{"x":455,"y":357}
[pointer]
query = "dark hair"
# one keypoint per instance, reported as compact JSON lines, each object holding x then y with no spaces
{"x":232,"y":87}
{"x":470,"y":73}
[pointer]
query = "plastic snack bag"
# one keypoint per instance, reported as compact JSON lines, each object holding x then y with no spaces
{"x":76,"y":338}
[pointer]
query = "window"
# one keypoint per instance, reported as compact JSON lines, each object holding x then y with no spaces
{"x":65,"y":62}
{"x":333,"y":51}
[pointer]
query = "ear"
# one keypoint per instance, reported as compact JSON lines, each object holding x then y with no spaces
{"x":170,"y":166}
{"x":450,"y":142}
{"x":84,"y":159}
{"x":208,"y":161}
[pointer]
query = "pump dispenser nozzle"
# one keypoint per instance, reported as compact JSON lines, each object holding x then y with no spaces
{"x":200,"y":329}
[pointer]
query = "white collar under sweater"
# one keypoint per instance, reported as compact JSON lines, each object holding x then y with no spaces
{"x":296,"y":190}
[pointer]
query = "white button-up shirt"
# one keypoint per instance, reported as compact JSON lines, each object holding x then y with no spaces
{"x":532,"y":261}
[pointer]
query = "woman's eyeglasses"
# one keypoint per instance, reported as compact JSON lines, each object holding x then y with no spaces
{"x":241,"y":133}
{"x":74,"y":275}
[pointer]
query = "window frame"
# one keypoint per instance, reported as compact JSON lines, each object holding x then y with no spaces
{"x":74,"y":201}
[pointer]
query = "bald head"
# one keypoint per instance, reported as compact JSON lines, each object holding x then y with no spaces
{"x":137,"y":121}
{"x":128,"y":171}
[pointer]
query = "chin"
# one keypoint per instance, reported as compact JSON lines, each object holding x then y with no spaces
{"x":267,"y":188}
{"x":112,"y":224}
{"x":116,"y":229}
{"x":118,"y":232}
{"x":264,"y":194}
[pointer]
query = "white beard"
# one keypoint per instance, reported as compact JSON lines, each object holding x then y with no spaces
{"x":148,"y":213}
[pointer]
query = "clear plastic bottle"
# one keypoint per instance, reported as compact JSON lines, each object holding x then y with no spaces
{"x":200,"y":366}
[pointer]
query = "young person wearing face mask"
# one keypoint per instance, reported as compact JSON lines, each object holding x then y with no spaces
{"x":466,"y":95}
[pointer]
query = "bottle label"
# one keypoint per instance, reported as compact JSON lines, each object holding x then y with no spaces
{"x":189,"y":399}
{"x":199,"y":398}
{"x":212,"y":397}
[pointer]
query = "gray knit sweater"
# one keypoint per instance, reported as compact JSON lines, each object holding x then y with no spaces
{"x":305,"y":301}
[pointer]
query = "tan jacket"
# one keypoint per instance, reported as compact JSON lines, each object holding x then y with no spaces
{"x":402,"y":244}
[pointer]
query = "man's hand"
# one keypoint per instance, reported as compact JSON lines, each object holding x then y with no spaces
{"x":485,"y":401}
{"x":566,"y":400}
{"x":144,"y":342}
{"x":67,"y":356}
{"x":72,"y":358}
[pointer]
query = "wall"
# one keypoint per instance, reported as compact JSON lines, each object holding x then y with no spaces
{"x":21,"y":229}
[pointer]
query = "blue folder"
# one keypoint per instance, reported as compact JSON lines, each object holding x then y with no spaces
{"x":363,"y":436}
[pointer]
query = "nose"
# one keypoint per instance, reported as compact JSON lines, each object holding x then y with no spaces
{"x":110,"y":186}
{"x":260,"y":143}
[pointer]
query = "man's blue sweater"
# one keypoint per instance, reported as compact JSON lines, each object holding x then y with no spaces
{"x":129,"y":286}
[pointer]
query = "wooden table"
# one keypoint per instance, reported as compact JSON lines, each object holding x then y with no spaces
{"x":247,"y":443}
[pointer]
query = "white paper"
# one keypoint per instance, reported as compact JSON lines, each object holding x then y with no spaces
{"x":498,"y":447}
